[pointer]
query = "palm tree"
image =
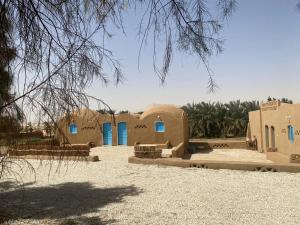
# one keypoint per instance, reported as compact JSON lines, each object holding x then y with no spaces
{"x":218,"y":119}
{"x":194,"y":118}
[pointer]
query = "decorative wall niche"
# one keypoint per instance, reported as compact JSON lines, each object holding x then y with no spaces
{"x":88,"y":128}
{"x":140,"y":126}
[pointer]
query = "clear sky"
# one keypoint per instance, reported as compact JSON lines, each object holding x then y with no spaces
{"x":260,"y":59}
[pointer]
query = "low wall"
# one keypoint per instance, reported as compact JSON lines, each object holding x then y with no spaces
{"x":50,"y":147}
{"x":49,"y":150}
{"x":211,"y":164}
{"x":16,"y":152}
{"x":198,"y":145}
{"x":69,"y":158}
{"x":282,"y":158}
{"x":179,"y":151}
{"x":295,"y":158}
{"x":154,"y":151}
{"x":147,"y":151}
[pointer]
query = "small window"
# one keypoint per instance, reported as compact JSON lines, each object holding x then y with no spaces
{"x":73,"y":128}
{"x":291,"y":134}
{"x":159,"y":126}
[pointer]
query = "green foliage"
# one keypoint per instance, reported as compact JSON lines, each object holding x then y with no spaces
{"x":10,"y":117}
{"x":9,"y":124}
{"x":123,"y":112}
{"x":214,"y":120}
{"x":283,"y":100}
{"x":106,"y":111}
{"x":5,"y":83}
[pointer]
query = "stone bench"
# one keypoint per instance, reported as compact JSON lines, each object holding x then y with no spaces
{"x":150,"y":151}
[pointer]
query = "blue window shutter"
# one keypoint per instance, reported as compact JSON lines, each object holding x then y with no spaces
{"x":73,"y":128}
{"x":159,"y":126}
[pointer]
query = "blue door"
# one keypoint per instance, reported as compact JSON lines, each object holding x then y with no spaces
{"x":291,"y":134}
{"x":122,"y":133}
{"x":107,"y":134}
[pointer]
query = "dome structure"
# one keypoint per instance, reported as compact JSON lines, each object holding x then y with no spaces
{"x":165,"y":109}
{"x":159,"y":124}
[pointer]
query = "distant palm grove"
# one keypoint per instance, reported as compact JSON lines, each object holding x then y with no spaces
{"x":215,"y":119}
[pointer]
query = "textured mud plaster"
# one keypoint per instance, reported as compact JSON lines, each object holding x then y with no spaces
{"x":276,"y":127}
{"x":179,"y":150}
{"x":141,"y":128}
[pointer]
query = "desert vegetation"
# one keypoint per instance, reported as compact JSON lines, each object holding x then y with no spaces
{"x":221,"y":120}
{"x":215,"y":119}
{"x":52,"y":50}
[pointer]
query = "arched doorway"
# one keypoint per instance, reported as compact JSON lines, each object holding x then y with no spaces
{"x":273,"y":137}
{"x":267,"y":137}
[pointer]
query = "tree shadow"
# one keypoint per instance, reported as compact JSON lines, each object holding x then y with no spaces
{"x":67,"y":202}
{"x":8,"y":185}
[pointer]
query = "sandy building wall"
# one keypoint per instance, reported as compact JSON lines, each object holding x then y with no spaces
{"x":286,"y":115}
{"x":140,"y":128}
{"x":174,"y":129}
{"x":88,"y":126}
{"x":130,"y":120}
{"x":276,"y":119}
{"x":255,"y":126}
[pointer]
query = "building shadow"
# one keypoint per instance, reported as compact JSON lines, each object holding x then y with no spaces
{"x":67,"y":202}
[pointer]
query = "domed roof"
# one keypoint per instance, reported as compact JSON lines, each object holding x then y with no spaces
{"x":85,"y":113}
{"x":168,"y":109}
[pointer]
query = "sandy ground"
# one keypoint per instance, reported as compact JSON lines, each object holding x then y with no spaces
{"x":241,"y":155}
{"x":112,"y":191}
{"x":3,"y":150}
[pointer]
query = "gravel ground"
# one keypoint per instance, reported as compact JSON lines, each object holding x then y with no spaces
{"x":112,"y":191}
